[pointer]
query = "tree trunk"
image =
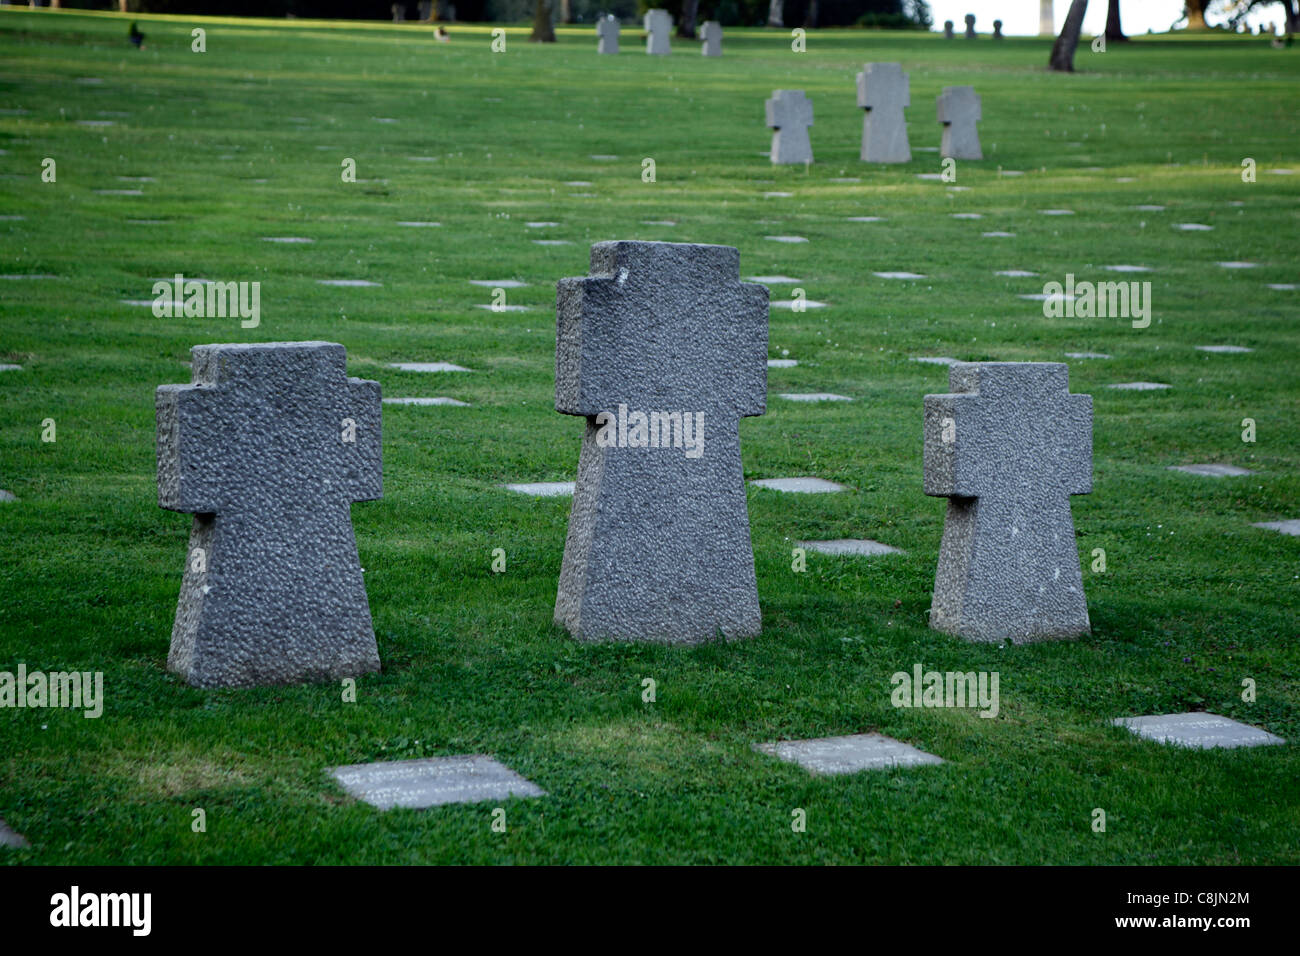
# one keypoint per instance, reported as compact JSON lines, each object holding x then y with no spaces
{"x":1195,"y":10}
{"x":543,"y":32}
{"x":776,"y":13}
{"x":690,"y":11}
{"x":1113,"y":30}
{"x":1062,"y":58}
{"x":1292,"y":16}
{"x":566,"y":13}
{"x":811,"y":20}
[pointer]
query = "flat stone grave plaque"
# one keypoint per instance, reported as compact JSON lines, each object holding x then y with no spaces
{"x":427,"y":367}
{"x":851,"y":754}
{"x":782,"y":363}
{"x":11,"y":838}
{"x":1139,"y":386}
{"x":1224,"y":349}
{"x":850,"y":546}
{"x":1087,"y":355}
{"x":1211,"y":471}
{"x":814,"y":397}
{"x":807,"y":486}
{"x":1202,"y":731}
{"x":415,"y":784}
{"x":543,"y":489}
{"x":935,"y":360}
{"x":1290,"y":526}
{"x":436,"y":400}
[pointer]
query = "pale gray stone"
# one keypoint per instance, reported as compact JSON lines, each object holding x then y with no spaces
{"x":8,"y":367}
{"x":1152,"y":207}
{"x":1290,"y":526}
{"x":959,"y":111}
{"x":797,"y":304}
{"x":543,"y":489}
{"x":360,"y":283}
{"x":288,"y":240}
{"x":607,"y":33}
{"x":773,"y":280}
{"x":1237,"y":265}
{"x":851,"y":754}
{"x":548,"y":225}
{"x":790,"y":113}
{"x":1015,"y":273}
{"x":999,"y":234}
{"x":552,"y":242}
{"x":1126,"y":268}
{"x":1087,"y":355}
{"x":437,"y":400}
{"x":660,"y":327}
{"x":11,"y":838}
{"x":416,"y":223}
{"x":268,"y":448}
{"x":786,"y":239}
{"x":1283,"y":286}
{"x":884,"y":93}
{"x":966,"y":215}
{"x":814,"y":397}
{"x":427,"y":367}
{"x":782,"y":363}
{"x":1211,"y":470}
{"x":866,"y":219}
{"x":1201,"y":731}
{"x":1007,"y":446}
{"x":899,"y":275}
{"x":850,"y":546}
{"x":1193,"y":227}
{"x":1139,"y":386}
{"x":658,"y":22}
{"x":433,"y":781}
{"x":498,"y":283}
{"x":7,"y":495}
{"x":799,"y":486}
{"x":1056,"y":212}
{"x":935,"y":360}
{"x":711,"y":36}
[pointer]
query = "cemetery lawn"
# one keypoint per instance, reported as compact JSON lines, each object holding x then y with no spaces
{"x":247,"y":141}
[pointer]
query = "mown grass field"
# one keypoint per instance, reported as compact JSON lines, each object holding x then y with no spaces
{"x":246,"y":141}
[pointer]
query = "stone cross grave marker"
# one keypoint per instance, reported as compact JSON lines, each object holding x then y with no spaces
{"x":1008,"y":446}
{"x":711,"y":35}
{"x":970,"y":26}
{"x":947,"y":30}
{"x":268,"y":448}
{"x":657,"y":24}
{"x":607,"y":32}
{"x":997,"y":29}
{"x":883,"y":92}
{"x":663,"y":349}
{"x":790,"y":113}
{"x":959,"y":111}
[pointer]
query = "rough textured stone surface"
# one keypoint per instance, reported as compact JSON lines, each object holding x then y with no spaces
{"x":884,"y":93}
{"x":833,"y":755}
{"x":1200,"y":730}
{"x":607,"y":32}
{"x":431,"y":782}
{"x":658,"y":546}
{"x":1008,"y":446}
{"x":850,"y":546}
{"x":658,"y":23}
{"x":256,"y":449}
{"x":790,"y":113}
{"x":711,"y":35}
{"x":959,"y":111}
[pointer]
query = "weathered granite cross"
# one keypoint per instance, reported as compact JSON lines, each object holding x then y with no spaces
{"x":711,"y":36}
{"x":269,"y":447}
{"x":663,"y":350}
{"x":657,"y":24}
{"x":883,"y":92}
{"x":790,"y":113}
{"x":607,"y":31}
{"x":1007,"y":447}
{"x":959,"y":111}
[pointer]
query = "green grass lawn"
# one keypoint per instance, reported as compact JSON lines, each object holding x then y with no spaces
{"x":247,"y":140}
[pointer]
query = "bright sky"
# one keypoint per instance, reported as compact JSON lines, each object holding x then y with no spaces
{"x":1020,"y":17}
